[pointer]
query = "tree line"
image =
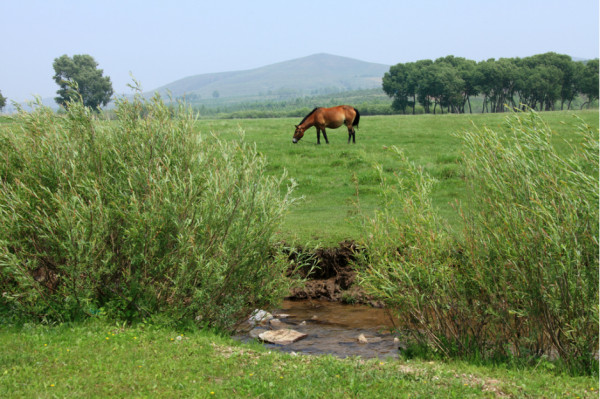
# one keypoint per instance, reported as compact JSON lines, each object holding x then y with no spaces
{"x":540,"y":82}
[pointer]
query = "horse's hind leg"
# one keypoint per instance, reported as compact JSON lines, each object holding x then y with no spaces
{"x":351,"y":135}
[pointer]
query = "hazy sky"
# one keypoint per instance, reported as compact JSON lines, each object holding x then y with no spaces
{"x":162,"y":41}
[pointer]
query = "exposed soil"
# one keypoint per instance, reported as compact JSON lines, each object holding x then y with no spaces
{"x":329,"y":274}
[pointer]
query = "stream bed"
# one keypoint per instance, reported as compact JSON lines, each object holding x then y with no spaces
{"x":332,"y":328}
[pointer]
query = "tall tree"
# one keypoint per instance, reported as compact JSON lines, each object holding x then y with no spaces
{"x":587,"y":80}
{"x":396,"y":84}
{"x":80,"y":76}
{"x":421,"y":89}
{"x":558,"y":70}
{"x":464,"y":80}
{"x":496,"y":81}
{"x":445,"y":86}
{"x":539,"y":82}
{"x":2,"y":101}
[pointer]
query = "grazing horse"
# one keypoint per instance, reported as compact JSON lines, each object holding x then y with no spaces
{"x":333,"y":118}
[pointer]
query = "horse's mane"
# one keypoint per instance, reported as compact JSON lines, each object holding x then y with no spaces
{"x":309,"y":114}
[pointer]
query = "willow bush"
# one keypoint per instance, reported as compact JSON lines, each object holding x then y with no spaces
{"x":532,"y":237}
{"x":135,"y":218}
{"x":522,"y":278}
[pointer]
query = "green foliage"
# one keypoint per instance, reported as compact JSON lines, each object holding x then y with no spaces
{"x":399,"y":83}
{"x":532,"y":238}
{"x":588,"y":80}
{"x":408,"y":256}
{"x":79,"y":76}
{"x":538,"y":82}
{"x":2,"y":101}
{"x":135,"y":218}
{"x":522,"y":279}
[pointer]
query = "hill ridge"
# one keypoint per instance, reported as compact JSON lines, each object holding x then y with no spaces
{"x":300,"y":76}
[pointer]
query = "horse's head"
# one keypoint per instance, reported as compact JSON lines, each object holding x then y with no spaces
{"x":298,"y":134}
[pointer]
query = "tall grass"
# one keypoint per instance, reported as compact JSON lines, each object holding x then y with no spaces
{"x":522,"y":279}
{"x":138,"y":218}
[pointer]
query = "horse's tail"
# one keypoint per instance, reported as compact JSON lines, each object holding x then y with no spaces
{"x":356,"y":118}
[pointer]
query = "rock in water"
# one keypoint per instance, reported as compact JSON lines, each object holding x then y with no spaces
{"x":362,"y":339}
{"x":259,"y":317}
{"x":255,"y":332}
{"x":282,"y":337}
{"x":277,"y":324}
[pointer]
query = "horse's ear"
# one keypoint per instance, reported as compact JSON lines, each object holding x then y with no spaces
{"x":296,"y":125}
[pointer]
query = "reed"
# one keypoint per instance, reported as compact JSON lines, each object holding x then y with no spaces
{"x":137,"y":218}
{"x":521,"y":281}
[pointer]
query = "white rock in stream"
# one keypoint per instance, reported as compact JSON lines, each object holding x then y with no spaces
{"x":282,"y":337}
{"x":259,"y":317}
{"x":362,"y":339}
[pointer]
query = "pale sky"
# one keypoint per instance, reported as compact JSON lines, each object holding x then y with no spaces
{"x":163,"y":41}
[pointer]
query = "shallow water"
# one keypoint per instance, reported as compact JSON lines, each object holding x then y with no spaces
{"x":333,"y":328}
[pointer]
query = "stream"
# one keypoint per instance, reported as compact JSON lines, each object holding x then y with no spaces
{"x":333,"y":328}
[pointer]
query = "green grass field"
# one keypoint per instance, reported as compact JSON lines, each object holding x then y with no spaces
{"x":100,"y":360}
{"x":326,"y":174}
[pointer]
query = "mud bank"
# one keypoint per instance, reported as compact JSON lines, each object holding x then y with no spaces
{"x":329,"y":274}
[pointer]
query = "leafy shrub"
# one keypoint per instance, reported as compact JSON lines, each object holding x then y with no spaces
{"x":408,"y":259}
{"x":137,"y":217}
{"x":522,"y":279}
{"x":532,"y":237}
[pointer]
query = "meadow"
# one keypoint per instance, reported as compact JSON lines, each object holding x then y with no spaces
{"x":332,"y":179}
{"x":102,"y":357}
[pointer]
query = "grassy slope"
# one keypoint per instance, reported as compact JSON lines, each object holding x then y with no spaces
{"x":326,"y":173}
{"x":300,"y":76}
{"x":98,"y":360}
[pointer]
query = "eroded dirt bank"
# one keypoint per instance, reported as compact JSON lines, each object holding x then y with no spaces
{"x":329,"y":273}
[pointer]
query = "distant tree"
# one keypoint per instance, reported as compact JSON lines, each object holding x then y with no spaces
{"x":497,"y":82}
{"x":216,"y":94}
{"x":2,"y":101}
{"x":397,"y":84}
{"x":419,"y":73}
{"x":80,"y":76}
{"x":541,"y":87}
{"x":587,"y":80}
{"x":466,"y":73}
{"x":539,"y":82}
{"x":557,"y":70}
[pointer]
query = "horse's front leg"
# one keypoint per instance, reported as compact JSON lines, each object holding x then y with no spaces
{"x":325,"y":136}
{"x":318,"y":135}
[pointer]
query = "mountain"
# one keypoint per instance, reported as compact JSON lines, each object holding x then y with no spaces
{"x":308,"y":75}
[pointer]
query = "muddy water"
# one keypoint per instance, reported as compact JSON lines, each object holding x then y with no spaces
{"x":333,"y":328}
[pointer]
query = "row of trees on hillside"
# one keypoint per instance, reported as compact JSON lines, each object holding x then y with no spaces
{"x":540,"y":82}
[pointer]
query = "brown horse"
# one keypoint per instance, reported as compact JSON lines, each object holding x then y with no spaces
{"x":333,"y":118}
